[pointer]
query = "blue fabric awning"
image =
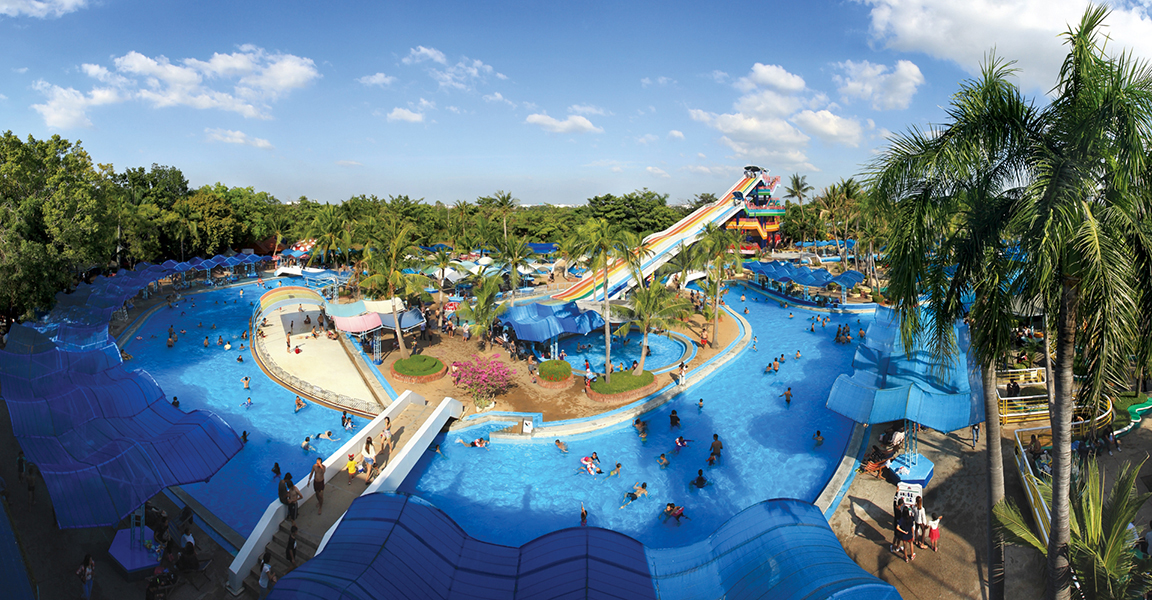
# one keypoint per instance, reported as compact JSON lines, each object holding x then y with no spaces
{"x":540,"y":322}
{"x":408,"y":319}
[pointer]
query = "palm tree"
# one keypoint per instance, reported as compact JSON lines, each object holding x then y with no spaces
{"x":604,"y":244}
{"x":570,"y":252}
{"x":484,"y":311}
{"x":1068,"y":182}
{"x":717,"y":243}
{"x":183,"y":224}
{"x":441,"y":259}
{"x":280,"y":226}
{"x":688,"y":258}
{"x":332,"y":231}
{"x":501,"y":203}
{"x":1101,"y":543}
{"x":653,"y":307}
{"x":514,"y":253}
{"x":797,"y":187}
{"x":388,"y":256}
{"x":461,"y":207}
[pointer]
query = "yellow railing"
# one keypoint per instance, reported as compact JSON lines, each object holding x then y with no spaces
{"x":1040,"y":511}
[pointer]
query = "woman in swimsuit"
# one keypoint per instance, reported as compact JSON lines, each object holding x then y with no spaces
{"x":671,"y":510}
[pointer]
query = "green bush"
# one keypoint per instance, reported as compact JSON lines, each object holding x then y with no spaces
{"x":555,"y":370}
{"x":623,"y":382}
{"x":1120,"y":404}
{"x":419,"y":365}
{"x":877,"y":298}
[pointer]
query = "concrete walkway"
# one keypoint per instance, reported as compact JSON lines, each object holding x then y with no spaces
{"x":321,"y":362}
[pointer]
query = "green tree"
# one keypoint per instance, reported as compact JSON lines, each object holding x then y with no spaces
{"x":797,"y":188}
{"x":640,"y":212}
{"x":501,"y":204}
{"x":514,"y":254}
{"x":331,"y":230}
{"x":688,"y":258}
{"x":1101,"y":543}
{"x":604,"y":243}
{"x":482,"y":313}
{"x":387,"y":256}
{"x":441,"y":259}
{"x":651,"y":308}
{"x":717,"y":244}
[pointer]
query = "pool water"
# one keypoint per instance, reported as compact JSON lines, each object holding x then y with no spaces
{"x":209,"y":379}
{"x":515,"y":492}
{"x":665,"y":351}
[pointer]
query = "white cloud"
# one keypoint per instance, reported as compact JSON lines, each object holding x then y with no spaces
{"x":770,"y":131}
{"x":573,"y":124}
{"x":20,"y":70}
{"x":67,"y":108}
{"x":658,"y":172}
{"x":403,"y":114}
{"x":462,"y":75}
{"x":715,"y":171}
{"x":647,"y":138}
{"x":587,"y":109}
{"x":237,"y":137}
{"x":40,"y":8}
{"x":379,"y":79}
{"x":830,"y":128}
{"x":648,"y":81}
{"x":3,"y":97}
{"x":420,"y":54}
{"x":498,"y":97}
{"x":769,"y":104}
{"x":257,"y":78}
{"x":349,"y":163}
{"x":676,"y":135}
{"x":423,"y":105}
{"x":454,"y":109}
{"x":773,"y":76}
{"x":1026,"y":31}
{"x":886,"y":88}
{"x":719,"y":76}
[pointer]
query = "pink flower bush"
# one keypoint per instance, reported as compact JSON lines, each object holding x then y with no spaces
{"x":483,"y":378}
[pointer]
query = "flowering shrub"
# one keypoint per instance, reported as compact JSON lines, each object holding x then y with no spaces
{"x":483,"y":378}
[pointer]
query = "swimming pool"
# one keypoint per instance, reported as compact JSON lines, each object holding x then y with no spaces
{"x":209,"y":379}
{"x":665,"y":351}
{"x":515,"y":492}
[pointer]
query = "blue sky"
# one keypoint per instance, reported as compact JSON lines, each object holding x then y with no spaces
{"x":554,"y":102}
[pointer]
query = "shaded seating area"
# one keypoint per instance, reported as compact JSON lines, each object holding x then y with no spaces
{"x":396,"y":546}
{"x":783,"y":273}
{"x":545,"y":323}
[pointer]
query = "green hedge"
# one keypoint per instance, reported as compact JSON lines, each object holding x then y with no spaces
{"x":622,"y":382}
{"x":1120,"y":415}
{"x":419,"y":365}
{"x":555,"y":370}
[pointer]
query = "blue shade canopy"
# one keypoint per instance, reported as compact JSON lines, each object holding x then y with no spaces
{"x":782,"y":271}
{"x":891,"y":384}
{"x":106,"y":439}
{"x":541,"y":322}
{"x":396,"y":546}
{"x":408,"y":319}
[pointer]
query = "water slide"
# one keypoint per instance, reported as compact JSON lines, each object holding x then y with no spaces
{"x":662,"y":245}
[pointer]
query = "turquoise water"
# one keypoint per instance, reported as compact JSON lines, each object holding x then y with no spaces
{"x":209,"y":379}
{"x":515,"y":492}
{"x":665,"y":351}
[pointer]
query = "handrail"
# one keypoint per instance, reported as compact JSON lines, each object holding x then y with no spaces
{"x":276,"y":512}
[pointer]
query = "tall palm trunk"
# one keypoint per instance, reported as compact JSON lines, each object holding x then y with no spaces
{"x":1059,"y":575}
{"x":607,"y":330}
{"x":643,"y":353}
{"x":716,"y":307}
{"x":399,"y":332}
{"x":995,"y":456}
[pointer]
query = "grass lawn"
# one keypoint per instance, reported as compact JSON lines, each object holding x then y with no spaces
{"x":622,"y":382}
{"x":419,"y":365}
{"x":1120,"y":416}
{"x":555,"y":370}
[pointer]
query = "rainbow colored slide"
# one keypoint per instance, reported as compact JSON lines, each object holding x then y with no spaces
{"x":662,"y":245}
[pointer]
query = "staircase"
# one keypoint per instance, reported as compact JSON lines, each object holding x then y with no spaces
{"x":305,"y":549}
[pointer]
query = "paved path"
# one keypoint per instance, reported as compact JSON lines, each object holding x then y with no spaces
{"x":321,"y":362}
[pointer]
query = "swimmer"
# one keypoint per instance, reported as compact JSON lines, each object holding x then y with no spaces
{"x":562,"y":446}
{"x":327,"y":435}
{"x":681,"y":443}
{"x":139,"y":337}
{"x":615,"y":471}
{"x":244,"y":437}
{"x":213,"y":326}
{"x":789,"y":315}
{"x":583,"y":515}
{"x":797,"y":354}
{"x":306,"y":444}
{"x":175,"y":402}
{"x":200,"y":324}
{"x":476,"y":443}
{"x":220,"y":341}
{"x":674,"y":511}
{"x":674,"y":420}
{"x":701,"y":404}
{"x":776,"y":365}
{"x":754,"y":340}
{"x":245,"y":380}
{"x":228,"y":346}
{"x":700,"y":481}
{"x":275,"y":468}
{"x":247,"y":403}
{"x":787,"y":395}
{"x":239,"y":359}
{"x":299,"y":404}
{"x":595,"y":459}
{"x":206,"y":342}
{"x":813,"y":328}
{"x":745,"y":310}
{"x":818,"y":438}
{"x":183,"y":332}
{"x":662,"y":461}
{"x":639,"y":489}
{"x":437,"y":450}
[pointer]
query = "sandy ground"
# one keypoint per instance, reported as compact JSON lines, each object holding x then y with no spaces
{"x":526,"y":396}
